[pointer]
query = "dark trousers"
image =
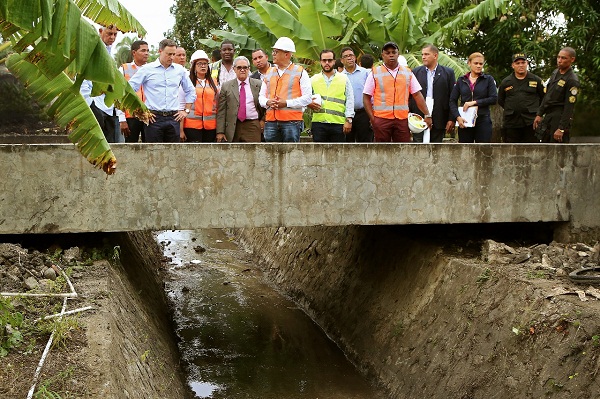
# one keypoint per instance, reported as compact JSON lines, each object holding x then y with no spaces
{"x":108,"y":123}
{"x":391,"y":130}
{"x":165,"y":129}
{"x":435,"y":136}
{"x":200,"y":135}
{"x":327,"y":132}
{"x":524,"y":134}
{"x":136,"y":128}
{"x":247,"y":131}
{"x":361,"y":128}
{"x":480,"y":133}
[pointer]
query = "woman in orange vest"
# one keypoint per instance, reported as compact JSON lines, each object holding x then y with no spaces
{"x":200,"y":126}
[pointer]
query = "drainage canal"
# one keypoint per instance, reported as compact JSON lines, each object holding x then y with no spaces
{"x":240,"y":338}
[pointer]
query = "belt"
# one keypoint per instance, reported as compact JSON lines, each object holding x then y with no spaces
{"x":164,"y":113}
{"x":359,"y":110}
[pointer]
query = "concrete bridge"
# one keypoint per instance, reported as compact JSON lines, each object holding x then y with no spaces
{"x":50,"y":188}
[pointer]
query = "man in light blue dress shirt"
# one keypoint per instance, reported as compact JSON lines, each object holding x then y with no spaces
{"x":361,"y":126}
{"x":161,"y":80}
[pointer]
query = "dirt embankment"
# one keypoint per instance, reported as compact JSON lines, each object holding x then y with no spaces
{"x":122,"y":348}
{"x":444,"y":319}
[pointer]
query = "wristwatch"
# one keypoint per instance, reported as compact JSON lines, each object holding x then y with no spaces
{"x":561,"y":130}
{"x":427,"y":116}
{"x":349,"y":120}
{"x":187,"y":110}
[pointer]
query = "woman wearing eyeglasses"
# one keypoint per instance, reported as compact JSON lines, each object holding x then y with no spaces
{"x":201,"y":123}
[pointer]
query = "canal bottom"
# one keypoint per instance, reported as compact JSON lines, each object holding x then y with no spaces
{"x":240,"y":338}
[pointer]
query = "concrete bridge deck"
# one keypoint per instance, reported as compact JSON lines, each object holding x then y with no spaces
{"x":50,"y":188}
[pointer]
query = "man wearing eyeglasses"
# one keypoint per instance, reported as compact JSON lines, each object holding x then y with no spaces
{"x":333,"y":102}
{"x":239,"y":114}
{"x":361,"y":131}
{"x":285,"y":93}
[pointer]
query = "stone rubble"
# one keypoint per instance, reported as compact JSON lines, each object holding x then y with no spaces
{"x":23,"y":270}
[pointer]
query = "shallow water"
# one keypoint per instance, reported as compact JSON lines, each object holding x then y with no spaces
{"x":242,"y":339}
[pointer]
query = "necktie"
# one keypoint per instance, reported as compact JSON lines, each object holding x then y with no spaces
{"x":242,"y":109}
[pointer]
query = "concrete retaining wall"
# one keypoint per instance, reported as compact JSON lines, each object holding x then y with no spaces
{"x":51,"y":188}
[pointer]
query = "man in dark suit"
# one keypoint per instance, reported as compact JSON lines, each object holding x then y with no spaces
{"x":240,"y":118}
{"x":437,"y":82}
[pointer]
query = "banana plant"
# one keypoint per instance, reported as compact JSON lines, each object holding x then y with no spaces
{"x":56,"y":49}
{"x":364,"y":24}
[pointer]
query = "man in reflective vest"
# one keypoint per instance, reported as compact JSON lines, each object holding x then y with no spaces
{"x":386,"y":94}
{"x":333,"y":102}
{"x":285,"y":92}
{"x":131,"y":127}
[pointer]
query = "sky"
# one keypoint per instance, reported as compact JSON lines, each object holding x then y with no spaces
{"x":154,"y":15}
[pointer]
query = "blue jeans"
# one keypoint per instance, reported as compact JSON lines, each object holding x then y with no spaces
{"x":283,"y":132}
{"x":328,"y":132}
{"x":165,"y":129}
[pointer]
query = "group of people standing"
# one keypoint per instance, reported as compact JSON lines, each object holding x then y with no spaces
{"x":223,"y":101}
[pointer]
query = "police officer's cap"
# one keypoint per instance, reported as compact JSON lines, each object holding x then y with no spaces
{"x":519,"y":56}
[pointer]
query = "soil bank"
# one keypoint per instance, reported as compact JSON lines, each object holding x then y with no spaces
{"x":427,"y":318}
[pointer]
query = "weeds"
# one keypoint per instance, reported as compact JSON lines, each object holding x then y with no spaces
{"x":10,"y":322}
{"x":533,"y":274}
{"x":484,"y":276}
{"x":45,"y":390}
{"x":62,"y":329}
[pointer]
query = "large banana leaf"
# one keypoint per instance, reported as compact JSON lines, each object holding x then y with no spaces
{"x":68,"y":108}
{"x":325,"y":25}
{"x":62,"y":40}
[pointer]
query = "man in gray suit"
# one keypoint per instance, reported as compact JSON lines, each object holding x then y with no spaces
{"x":240,"y":118}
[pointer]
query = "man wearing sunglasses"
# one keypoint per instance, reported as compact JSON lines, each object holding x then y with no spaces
{"x":333,"y":102}
{"x":239,"y":114}
{"x":285,"y":93}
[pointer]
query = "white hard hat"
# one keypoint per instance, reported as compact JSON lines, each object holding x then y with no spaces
{"x":199,"y":55}
{"x":416,"y":124}
{"x":285,"y":44}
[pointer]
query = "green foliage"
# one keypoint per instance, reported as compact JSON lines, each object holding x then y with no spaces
{"x":365,"y":25}
{"x":53,"y":42}
{"x":194,"y":21}
{"x":46,"y":388}
{"x":10,"y":322}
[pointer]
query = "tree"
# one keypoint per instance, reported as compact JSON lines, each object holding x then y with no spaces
{"x":65,"y":46}
{"x":194,"y":20}
{"x":123,"y":54}
{"x":363,"y":24}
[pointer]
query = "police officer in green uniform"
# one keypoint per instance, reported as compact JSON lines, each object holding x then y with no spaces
{"x":520,"y":94}
{"x":559,"y":102}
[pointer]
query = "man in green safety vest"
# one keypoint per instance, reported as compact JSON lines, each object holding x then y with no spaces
{"x":333,"y":102}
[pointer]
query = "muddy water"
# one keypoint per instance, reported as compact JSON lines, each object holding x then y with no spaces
{"x":239,"y":337}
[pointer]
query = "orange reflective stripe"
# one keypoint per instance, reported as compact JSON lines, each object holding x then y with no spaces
{"x":203,"y":114}
{"x":128,"y":71}
{"x":286,"y":86}
{"x":390,"y":99}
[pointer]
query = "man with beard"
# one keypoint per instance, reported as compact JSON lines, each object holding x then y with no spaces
{"x":333,"y":110}
{"x":559,"y":102}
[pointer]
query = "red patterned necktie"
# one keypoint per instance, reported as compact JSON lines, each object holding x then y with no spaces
{"x":242,"y":109}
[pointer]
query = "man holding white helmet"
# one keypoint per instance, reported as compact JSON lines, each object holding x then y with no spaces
{"x":285,"y":92}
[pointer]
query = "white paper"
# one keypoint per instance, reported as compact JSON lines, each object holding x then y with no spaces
{"x":469,"y":116}
{"x":427,"y":132}
{"x":316,"y":98}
